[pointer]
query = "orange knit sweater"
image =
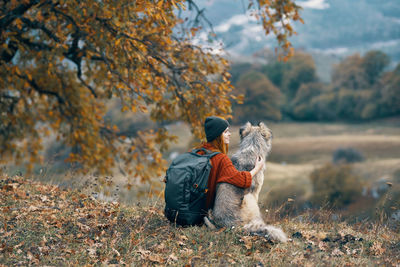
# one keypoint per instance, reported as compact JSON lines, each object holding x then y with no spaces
{"x":223,"y":171}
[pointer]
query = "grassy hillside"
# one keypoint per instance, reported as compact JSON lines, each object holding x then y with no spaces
{"x":41,"y":224}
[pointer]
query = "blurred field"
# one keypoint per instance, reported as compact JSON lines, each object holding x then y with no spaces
{"x":320,"y":148}
{"x":300,"y":148}
{"x":297,"y":150}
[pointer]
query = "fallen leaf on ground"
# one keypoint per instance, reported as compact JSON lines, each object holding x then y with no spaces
{"x":156,"y":258}
{"x":377,"y":248}
{"x":247,"y":241}
{"x":172,"y":257}
{"x":337,"y":252}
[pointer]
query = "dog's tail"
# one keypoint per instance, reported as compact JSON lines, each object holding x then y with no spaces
{"x":258,"y":227}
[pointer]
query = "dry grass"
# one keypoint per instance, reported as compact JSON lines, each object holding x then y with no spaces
{"x":44,"y":225}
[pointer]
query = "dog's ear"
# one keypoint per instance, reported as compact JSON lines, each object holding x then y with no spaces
{"x":245,"y":130}
{"x":265,"y":131}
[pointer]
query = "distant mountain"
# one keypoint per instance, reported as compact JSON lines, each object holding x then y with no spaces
{"x":334,"y":28}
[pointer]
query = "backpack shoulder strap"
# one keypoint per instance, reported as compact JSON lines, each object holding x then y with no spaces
{"x":207,"y":152}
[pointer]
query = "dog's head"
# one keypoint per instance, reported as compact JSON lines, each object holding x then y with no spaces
{"x":260,"y":129}
{"x":257,"y":134}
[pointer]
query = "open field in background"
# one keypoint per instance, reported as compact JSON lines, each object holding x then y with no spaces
{"x":320,"y":148}
{"x":297,"y":150}
{"x":300,"y":148}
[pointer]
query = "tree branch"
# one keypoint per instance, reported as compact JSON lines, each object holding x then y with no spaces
{"x":41,"y":26}
{"x":34,"y":45}
{"x":74,"y":53}
{"x":199,"y":15}
{"x":38,"y":89}
{"x":7,"y":56}
{"x":17,"y":12}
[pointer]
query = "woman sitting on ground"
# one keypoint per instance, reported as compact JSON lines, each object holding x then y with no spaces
{"x":222,"y":171}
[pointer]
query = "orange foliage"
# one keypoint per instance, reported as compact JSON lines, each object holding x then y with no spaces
{"x":61,"y":61}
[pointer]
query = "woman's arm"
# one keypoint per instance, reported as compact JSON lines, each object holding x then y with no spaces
{"x":227,"y":173}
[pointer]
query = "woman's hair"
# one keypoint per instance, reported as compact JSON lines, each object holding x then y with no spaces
{"x":219,"y":144}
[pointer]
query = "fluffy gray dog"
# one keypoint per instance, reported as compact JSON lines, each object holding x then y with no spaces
{"x":238,"y":206}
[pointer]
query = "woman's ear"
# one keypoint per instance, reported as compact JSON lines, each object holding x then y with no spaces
{"x":245,"y":130}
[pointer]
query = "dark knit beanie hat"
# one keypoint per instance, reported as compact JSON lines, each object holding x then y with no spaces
{"x":214,"y":127}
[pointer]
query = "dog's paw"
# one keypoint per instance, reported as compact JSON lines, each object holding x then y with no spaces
{"x":209,"y":224}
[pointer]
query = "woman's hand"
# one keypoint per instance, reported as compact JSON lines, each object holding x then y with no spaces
{"x":258,"y":166}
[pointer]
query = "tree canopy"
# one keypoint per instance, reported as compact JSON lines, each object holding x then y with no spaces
{"x":62,"y":61}
{"x":262,"y":99}
{"x":362,"y":88}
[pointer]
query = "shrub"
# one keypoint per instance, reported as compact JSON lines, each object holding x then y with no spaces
{"x":287,"y":198}
{"x":389,"y":100}
{"x":349,"y":73}
{"x":262,"y":99}
{"x":335,"y":186}
{"x":324,"y":106}
{"x":347,"y":155}
{"x":300,"y":106}
{"x":388,"y":206}
{"x":350,"y":103}
{"x":321,"y":107}
{"x":396,"y":176}
{"x":374,"y":62}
